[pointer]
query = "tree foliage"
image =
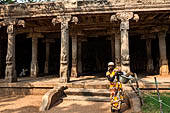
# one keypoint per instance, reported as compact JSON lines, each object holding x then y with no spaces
{"x":7,"y":1}
{"x":20,"y":1}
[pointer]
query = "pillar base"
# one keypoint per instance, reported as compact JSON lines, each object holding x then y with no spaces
{"x":74,"y":72}
{"x":150,"y":67}
{"x":164,"y":70}
{"x":10,"y":75}
{"x":64,"y":75}
{"x":34,"y":70}
{"x":64,"y":80}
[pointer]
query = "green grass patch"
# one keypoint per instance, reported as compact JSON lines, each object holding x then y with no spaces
{"x":152,"y":106}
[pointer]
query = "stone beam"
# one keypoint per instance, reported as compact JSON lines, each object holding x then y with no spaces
{"x":159,"y":28}
{"x":52,"y":35}
{"x":148,"y":36}
{"x":35,"y":35}
{"x":38,"y":29}
{"x":48,"y":40}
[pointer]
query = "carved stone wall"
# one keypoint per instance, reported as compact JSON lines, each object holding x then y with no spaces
{"x":71,"y":6}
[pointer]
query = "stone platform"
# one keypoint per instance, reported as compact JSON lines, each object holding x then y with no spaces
{"x":40,"y":85}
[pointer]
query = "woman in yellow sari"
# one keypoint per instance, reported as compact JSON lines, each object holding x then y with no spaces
{"x":116,"y":94}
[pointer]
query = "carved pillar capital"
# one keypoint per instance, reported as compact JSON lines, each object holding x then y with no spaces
{"x":11,"y":22}
{"x":64,"y":19}
{"x":162,"y":34}
{"x":75,"y":19}
{"x":124,"y":17}
{"x":10,"y":29}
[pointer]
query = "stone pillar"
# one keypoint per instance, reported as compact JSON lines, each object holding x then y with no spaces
{"x":117,"y":49}
{"x":113,"y":48}
{"x":150,"y":67}
{"x":164,"y":70}
{"x":64,"y":55}
{"x":125,"y":59}
{"x":10,"y":72}
{"x":46,"y":70}
{"x":34,"y":62}
{"x":0,"y":57}
{"x":48,"y":40}
{"x":124,"y":27}
{"x":74,"y":56}
{"x":64,"y":58}
{"x":80,"y":56}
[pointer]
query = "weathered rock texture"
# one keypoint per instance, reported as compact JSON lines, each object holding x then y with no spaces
{"x":51,"y":97}
{"x":134,"y":100}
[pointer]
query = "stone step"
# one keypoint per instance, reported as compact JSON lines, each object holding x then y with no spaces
{"x":88,"y":92}
{"x":87,"y":98}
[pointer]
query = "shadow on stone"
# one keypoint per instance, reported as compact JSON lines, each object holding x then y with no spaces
{"x":52,"y":97}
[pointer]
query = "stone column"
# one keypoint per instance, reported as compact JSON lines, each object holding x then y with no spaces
{"x":113,"y":48}
{"x":48,"y":40}
{"x":125,"y":59}
{"x":164,"y":70}
{"x":74,"y":56}
{"x":117,"y":49}
{"x":47,"y":57}
{"x":64,"y":55}
{"x":80,"y":56}
{"x":64,"y":58}
{"x":150,"y":67}
{"x":34,"y":62}
{"x":10,"y":72}
{"x":0,"y":57}
{"x":124,"y":27}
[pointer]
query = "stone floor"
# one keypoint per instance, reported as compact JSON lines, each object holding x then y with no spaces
{"x":92,"y":79}
{"x":31,"y":103}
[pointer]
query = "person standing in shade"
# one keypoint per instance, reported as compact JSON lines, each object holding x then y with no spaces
{"x":116,"y":94}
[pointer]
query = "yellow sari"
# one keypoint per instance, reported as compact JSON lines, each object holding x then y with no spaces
{"x":116,"y":95}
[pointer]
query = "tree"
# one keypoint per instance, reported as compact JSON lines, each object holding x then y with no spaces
{"x":7,"y":1}
{"x":19,"y":1}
